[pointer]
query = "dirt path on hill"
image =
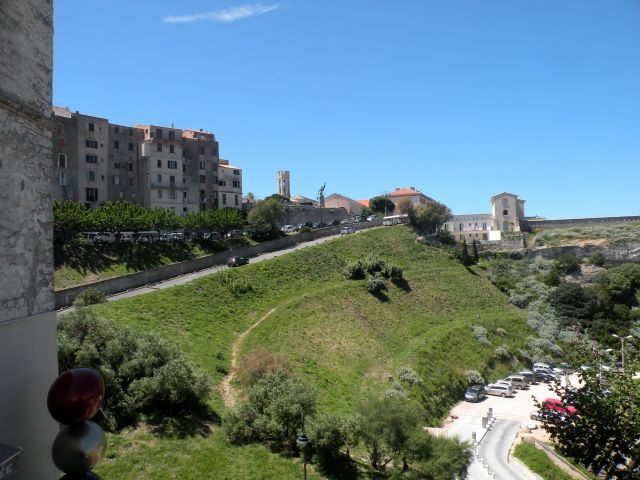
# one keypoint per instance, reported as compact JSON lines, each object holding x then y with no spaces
{"x":227,"y":391}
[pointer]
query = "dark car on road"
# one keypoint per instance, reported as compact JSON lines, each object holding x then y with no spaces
{"x":475,"y":393}
{"x":237,"y":261}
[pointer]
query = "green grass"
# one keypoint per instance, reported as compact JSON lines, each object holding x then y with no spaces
{"x":344,"y":341}
{"x":615,"y":233}
{"x":140,"y":455}
{"x":78,"y":263}
{"x":539,"y":462}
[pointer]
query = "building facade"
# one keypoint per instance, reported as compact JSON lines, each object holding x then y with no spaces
{"x":284,"y":183}
{"x":507,"y":213}
{"x":95,"y":161}
{"x":416,"y":197}
{"x":353,"y":207}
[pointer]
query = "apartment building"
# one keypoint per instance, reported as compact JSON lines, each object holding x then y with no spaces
{"x":229,"y":185}
{"x":154,"y":166}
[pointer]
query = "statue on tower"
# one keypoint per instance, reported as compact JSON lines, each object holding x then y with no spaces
{"x":321,"y":195}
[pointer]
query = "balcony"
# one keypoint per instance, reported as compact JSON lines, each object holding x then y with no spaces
{"x":165,"y":184}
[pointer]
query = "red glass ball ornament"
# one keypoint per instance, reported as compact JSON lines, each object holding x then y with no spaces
{"x":78,"y":448}
{"x":76,"y":395}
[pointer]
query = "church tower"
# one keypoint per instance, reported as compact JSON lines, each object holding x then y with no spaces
{"x":284,"y":185}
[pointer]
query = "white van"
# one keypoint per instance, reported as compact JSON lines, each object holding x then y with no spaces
{"x":518,"y":381}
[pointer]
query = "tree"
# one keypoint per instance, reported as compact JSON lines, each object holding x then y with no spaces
{"x":474,"y":250}
{"x":251,"y":197}
{"x":268,"y":210}
{"x":277,"y":197}
{"x":429,"y":218}
{"x":272,"y":411}
{"x":463,"y":253}
{"x":120,"y":217}
{"x":428,"y":457}
{"x":381,"y":204}
{"x":227,"y":219}
{"x":572,"y":301}
{"x":604,"y":434}
{"x":568,"y":264}
{"x":332,"y":436}
{"x":405,"y":207}
{"x":69,"y":219}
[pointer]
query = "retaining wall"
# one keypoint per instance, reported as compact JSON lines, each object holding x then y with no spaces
{"x":622,"y":252}
{"x":576,"y":222}
{"x":64,"y":298}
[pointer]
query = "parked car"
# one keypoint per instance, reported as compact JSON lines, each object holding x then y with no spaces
{"x":347,"y":230}
{"x":549,"y":415}
{"x":545,"y":376}
{"x":537,"y":366}
{"x":530,"y":376}
{"x":237,"y":261}
{"x":518,"y":381}
{"x":335,"y":223}
{"x":499,"y":389}
{"x":346,"y":221}
{"x":234,"y":234}
{"x":475,"y":393}
{"x":557,"y":405}
{"x":564,"y":369}
{"x":372,"y":218}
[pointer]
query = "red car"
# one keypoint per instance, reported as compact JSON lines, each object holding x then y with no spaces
{"x":556,"y":404}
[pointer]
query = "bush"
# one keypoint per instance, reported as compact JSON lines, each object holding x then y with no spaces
{"x":568,"y":264}
{"x":473,"y":377}
{"x":260,"y":230}
{"x":89,"y":296}
{"x":501,"y":332}
{"x":331,"y":437}
{"x":393,"y":272}
{"x":373,"y":264}
{"x":409,"y":375}
{"x":143,"y":373}
{"x":597,"y":259}
{"x":354,"y":271}
{"x":306,"y":229}
{"x":375,"y":284}
{"x":502,"y":352}
{"x":481,"y":334}
{"x":260,"y":362}
{"x":271,"y":412}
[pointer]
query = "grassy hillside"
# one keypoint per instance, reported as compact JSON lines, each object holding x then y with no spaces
{"x":608,"y":233}
{"x":338,"y":337}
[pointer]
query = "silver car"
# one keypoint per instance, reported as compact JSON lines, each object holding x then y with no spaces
{"x":498,"y":389}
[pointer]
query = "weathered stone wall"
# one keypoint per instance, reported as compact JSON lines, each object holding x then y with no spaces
{"x":28,"y":358}
{"x":576,"y":222}
{"x":629,"y":252}
{"x":295,"y":215}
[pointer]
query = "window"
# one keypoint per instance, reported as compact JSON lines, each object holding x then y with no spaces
{"x":121,"y":195}
{"x":505,"y":226}
{"x":505,"y":202}
{"x":203,"y":178}
{"x":115,"y":180}
{"x":91,"y":127}
{"x":91,"y":143}
{"x":505,"y":212}
{"x":117,"y":129}
{"x":62,"y":179}
{"x":460,"y":228}
{"x":172,"y":164}
{"x":184,"y":210}
{"x":484,"y":226}
{"x":130,"y":166}
{"x":236,"y":183}
{"x":172,"y":135}
{"x":159,"y":147}
{"x":201,"y":150}
{"x":131,"y":182}
{"x":184,"y":167}
{"x":130,"y":132}
{"x":91,"y":194}
{"x":159,"y":178}
{"x":62,"y":160}
{"x":172,"y":149}
{"x":184,"y":196}
{"x":236,"y":172}
{"x":203,"y":166}
{"x":130,"y":147}
{"x":224,"y":198}
{"x":61,"y":142}
{"x":173,"y":209}
{"x":159,"y":193}
{"x":172,"y":180}
{"x":91,"y":176}
{"x":116,"y":165}
{"x":172,"y":194}
{"x":159,"y":163}
{"x":222,"y":183}
{"x":158,"y":133}
{"x":236,"y":201}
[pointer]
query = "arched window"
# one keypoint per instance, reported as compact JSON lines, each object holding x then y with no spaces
{"x":460,"y":228}
{"x":505,"y":202}
{"x":505,"y":212}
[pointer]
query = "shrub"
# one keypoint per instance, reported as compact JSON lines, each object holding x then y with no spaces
{"x":597,"y":259}
{"x":260,"y":362}
{"x":473,"y":377}
{"x":354,"y":271}
{"x":481,"y":334}
{"x":393,"y":272}
{"x":143,"y":373}
{"x":373,"y":264}
{"x":409,"y":375}
{"x":89,"y":296}
{"x":306,"y":229}
{"x":331,"y":437}
{"x":271,"y":412}
{"x":375,"y":284}
{"x":502,"y":352}
{"x":568,"y":264}
{"x":501,"y":332}
{"x":395,"y":391}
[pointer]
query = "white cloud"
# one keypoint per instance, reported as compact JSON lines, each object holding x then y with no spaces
{"x":225,"y":15}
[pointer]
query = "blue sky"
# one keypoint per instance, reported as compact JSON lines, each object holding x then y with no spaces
{"x":462,"y":99}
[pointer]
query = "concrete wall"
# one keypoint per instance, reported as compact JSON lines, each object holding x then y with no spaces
{"x":295,"y":215}
{"x":135,"y":280}
{"x":28,"y":360}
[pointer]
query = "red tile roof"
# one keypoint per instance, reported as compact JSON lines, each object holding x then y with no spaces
{"x":405,"y":191}
{"x":364,"y":203}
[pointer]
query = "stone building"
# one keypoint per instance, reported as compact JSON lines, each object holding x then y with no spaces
{"x":507,"y":215}
{"x":179,"y":170}
{"x":28,"y":348}
{"x":284,"y":183}
{"x":353,"y":207}
{"x":414,"y":196}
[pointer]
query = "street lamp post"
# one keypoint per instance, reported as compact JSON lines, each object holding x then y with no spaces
{"x":622,"y":339}
{"x":303,"y":443}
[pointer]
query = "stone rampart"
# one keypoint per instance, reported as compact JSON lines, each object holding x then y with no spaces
{"x":297,"y":214}
{"x":576,"y":222}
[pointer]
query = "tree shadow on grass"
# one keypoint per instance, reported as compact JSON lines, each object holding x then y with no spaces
{"x":402,"y":284}
{"x":193,"y":423}
{"x":381,"y":295}
{"x":471,"y":271}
